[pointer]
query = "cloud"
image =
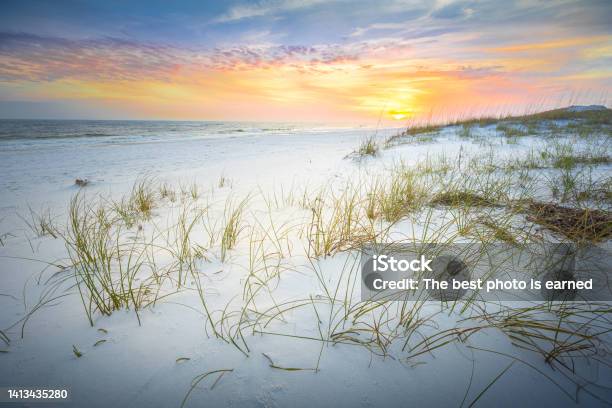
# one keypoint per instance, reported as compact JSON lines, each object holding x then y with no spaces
{"x":450,"y":11}
{"x":28,"y":57}
{"x":360,"y":31}
{"x":264,"y":8}
{"x":35,"y":58}
{"x":538,"y":46}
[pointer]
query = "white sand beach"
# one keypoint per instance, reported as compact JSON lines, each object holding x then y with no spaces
{"x":217,"y":264}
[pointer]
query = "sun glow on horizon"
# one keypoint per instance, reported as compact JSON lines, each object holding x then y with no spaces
{"x":392,"y":72}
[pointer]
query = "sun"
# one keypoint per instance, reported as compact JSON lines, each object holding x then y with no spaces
{"x":399,"y":114}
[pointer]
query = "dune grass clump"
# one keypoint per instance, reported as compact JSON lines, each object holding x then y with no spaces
{"x":223,"y":181}
{"x":167,"y":192}
{"x":392,"y":140}
{"x":481,"y":121}
{"x":568,"y":162}
{"x":338,"y":222}
{"x":233,"y":225}
{"x":564,"y":155}
{"x":419,"y":129}
{"x":143,"y":197}
{"x":574,"y":178}
{"x":181,"y":245}
{"x":404,"y":194}
{"x":330,"y":225}
{"x":124,"y":212}
{"x":194,"y":191}
{"x":110,"y":272}
{"x":373,"y":196}
{"x":461,"y":198}
{"x":476,"y":184}
{"x":368,"y":147}
{"x":140,"y":202}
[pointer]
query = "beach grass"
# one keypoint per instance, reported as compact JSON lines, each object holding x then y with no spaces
{"x":368,"y":147}
{"x":446,"y":198}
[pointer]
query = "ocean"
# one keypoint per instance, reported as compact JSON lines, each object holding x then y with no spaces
{"x":40,"y":159}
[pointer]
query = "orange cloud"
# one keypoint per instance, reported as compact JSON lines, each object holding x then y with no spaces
{"x":554,"y":44}
{"x":353,"y":82}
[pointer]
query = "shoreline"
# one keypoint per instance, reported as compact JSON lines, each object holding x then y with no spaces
{"x":224,"y":262}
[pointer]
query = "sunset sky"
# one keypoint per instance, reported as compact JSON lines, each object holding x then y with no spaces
{"x":300,"y":60}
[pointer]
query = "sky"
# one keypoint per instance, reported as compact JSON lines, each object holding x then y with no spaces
{"x":358,"y":62}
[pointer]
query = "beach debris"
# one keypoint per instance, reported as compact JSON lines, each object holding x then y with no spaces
{"x":272,"y":365}
{"x":81,"y":182}
{"x":4,"y":338}
{"x":76,"y":351}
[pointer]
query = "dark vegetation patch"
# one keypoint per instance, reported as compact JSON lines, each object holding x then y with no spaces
{"x":577,"y":224}
{"x":461,"y":198}
{"x":569,"y":162}
{"x":590,"y":116}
